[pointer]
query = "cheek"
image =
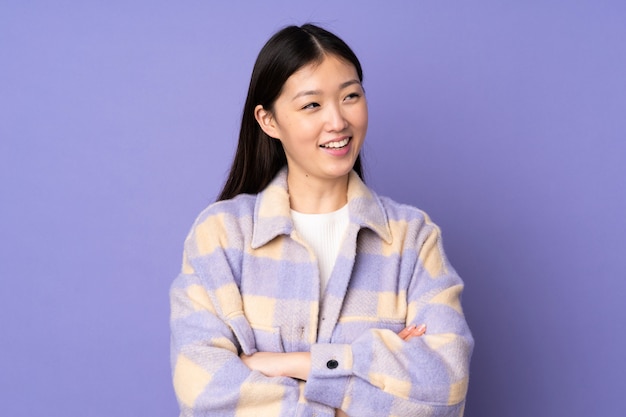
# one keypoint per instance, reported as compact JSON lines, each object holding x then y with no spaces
{"x":360,"y":118}
{"x":364,"y":119}
{"x":305,"y":130}
{"x":298,"y":135}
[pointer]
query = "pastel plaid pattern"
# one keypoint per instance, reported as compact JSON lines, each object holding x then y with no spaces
{"x":249,"y":283}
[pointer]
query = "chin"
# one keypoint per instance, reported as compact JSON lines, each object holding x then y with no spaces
{"x":339,"y":172}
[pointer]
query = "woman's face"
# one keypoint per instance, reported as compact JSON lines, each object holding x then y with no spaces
{"x":320,"y":118}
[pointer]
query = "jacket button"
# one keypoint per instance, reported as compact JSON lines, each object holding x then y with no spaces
{"x":332,"y":364}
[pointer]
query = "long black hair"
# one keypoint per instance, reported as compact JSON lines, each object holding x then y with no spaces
{"x":258,"y":157}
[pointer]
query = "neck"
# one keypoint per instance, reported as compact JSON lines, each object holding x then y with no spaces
{"x":313,"y":195}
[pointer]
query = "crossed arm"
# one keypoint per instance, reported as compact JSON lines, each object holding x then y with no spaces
{"x":298,"y":364}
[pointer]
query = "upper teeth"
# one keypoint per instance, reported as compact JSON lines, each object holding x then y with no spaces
{"x":338,"y":144}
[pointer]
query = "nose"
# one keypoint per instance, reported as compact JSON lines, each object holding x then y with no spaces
{"x":335,"y":119}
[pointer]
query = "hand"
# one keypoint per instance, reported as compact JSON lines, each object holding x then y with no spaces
{"x":412,"y":331}
{"x":406,"y":334}
{"x":292,"y":364}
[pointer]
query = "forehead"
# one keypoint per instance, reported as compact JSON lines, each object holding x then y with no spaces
{"x":329,"y":73}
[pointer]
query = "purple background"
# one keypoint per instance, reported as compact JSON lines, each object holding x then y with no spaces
{"x":504,"y":120}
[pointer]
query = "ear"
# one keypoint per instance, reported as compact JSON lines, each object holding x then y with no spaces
{"x":266,"y":120}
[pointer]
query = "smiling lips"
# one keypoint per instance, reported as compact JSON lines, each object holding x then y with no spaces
{"x":336,"y":144}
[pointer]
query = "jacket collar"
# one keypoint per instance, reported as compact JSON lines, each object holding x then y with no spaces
{"x":272,"y":215}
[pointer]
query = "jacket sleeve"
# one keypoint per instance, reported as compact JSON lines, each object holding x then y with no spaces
{"x":379,"y":374}
{"x":209,"y":331}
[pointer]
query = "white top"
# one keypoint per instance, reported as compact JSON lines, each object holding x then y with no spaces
{"x":324,"y":234}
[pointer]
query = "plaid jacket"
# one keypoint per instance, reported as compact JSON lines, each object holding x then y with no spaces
{"x":249,"y":283}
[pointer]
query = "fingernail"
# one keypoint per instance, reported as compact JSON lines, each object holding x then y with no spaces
{"x":421,"y":328}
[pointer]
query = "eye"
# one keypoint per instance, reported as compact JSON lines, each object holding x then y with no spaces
{"x":352,"y":96}
{"x":310,"y":106}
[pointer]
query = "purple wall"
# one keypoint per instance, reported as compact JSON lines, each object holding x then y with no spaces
{"x":505,"y":122}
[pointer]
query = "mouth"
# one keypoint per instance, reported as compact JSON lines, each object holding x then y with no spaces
{"x":337,"y":144}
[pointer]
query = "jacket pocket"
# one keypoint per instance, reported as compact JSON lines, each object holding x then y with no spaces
{"x":268,"y":339}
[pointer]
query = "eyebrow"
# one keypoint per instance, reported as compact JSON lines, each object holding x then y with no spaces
{"x":318,"y":92}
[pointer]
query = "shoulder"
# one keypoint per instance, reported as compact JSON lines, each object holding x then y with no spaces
{"x":413,"y":230}
{"x":224,"y":221}
{"x":409,"y":223}
{"x":240,"y":206}
{"x":397,"y":211}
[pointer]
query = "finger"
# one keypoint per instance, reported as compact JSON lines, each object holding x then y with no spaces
{"x":416,"y":332}
{"x":406,"y":331}
{"x":419,"y":330}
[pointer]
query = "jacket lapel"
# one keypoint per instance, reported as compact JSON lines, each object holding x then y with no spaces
{"x":366,"y":211}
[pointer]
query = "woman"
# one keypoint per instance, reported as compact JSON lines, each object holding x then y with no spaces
{"x":302,"y":292}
